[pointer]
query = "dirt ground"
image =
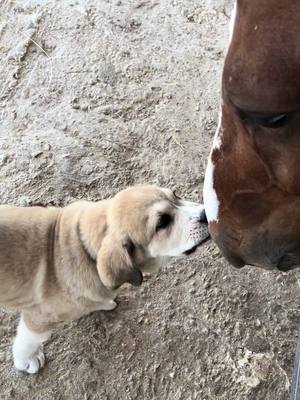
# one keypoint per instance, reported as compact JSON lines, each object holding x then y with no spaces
{"x":97,"y":95}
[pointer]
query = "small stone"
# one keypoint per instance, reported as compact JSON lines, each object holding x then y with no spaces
{"x":75,"y":103}
{"x":190,"y":18}
{"x":257,"y":323}
{"x":47,"y":147}
{"x":206,"y":285}
{"x":176,"y":281}
{"x":84,"y":107}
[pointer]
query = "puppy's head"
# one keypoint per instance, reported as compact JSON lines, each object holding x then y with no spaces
{"x":145,"y":223}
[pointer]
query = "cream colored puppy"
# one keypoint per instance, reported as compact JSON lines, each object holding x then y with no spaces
{"x":58,"y":264}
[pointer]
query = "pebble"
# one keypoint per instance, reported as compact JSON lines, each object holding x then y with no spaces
{"x":47,"y":146}
{"x":206,"y":285}
{"x":257,"y":323}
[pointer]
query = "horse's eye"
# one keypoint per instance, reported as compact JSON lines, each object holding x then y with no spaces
{"x":277,"y":121}
{"x":267,"y":120}
{"x":163,"y":222}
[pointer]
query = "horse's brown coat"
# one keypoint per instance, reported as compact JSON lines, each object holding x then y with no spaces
{"x":256,"y":169}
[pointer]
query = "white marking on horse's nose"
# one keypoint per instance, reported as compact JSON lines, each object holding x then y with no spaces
{"x":232,"y":22}
{"x":211,"y":202}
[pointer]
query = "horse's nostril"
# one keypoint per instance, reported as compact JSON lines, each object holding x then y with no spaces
{"x":286,"y":262}
{"x":203,"y":218}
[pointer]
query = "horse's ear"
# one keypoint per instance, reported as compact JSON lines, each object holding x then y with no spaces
{"x":115,"y":263}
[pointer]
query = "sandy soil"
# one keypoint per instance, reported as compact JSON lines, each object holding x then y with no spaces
{"x":97,"y":95}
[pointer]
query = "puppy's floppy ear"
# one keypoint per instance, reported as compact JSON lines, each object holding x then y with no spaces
{"x":115,"y":263}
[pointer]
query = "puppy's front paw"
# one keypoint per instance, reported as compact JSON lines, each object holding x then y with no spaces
{"x":31,"y":364}
{"x":109,"y":306}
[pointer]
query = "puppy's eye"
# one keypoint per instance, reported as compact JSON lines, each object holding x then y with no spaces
{"x":164,"y":221}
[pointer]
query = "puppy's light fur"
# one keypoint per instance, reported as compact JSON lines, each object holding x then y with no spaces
{"x":60,"y":264}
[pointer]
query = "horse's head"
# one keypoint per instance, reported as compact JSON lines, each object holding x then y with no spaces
{"x":252,"y":184}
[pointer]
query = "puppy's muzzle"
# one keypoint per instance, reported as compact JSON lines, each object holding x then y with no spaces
{"x":199,"y":231}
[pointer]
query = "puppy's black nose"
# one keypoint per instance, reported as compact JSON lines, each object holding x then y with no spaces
{"x":203,"y":218}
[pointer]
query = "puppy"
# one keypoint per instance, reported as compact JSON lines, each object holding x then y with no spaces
{"x":58,"y":264}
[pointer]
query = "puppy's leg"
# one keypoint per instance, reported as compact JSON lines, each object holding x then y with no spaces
{"x":27,"y":348}
{"x":106,"y":306}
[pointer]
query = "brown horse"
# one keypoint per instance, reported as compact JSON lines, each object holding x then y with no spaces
{"x":252,"y":183}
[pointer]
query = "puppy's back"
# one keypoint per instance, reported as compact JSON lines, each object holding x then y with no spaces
{"x":25,"y":235}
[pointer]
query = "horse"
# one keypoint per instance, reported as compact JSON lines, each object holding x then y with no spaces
{"x":252,"y":181}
